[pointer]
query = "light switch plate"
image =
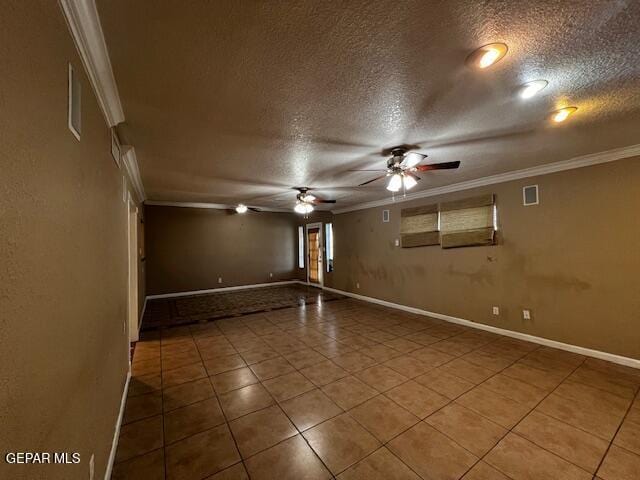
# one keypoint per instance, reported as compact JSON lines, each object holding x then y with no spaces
{"x":526,"y":314}
{"x":496,"y":310}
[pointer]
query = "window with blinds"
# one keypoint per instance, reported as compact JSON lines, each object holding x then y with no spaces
{"x":468,"y":222}
{"x":419,"y":226}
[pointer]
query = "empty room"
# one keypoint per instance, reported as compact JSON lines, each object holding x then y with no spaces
{"x":305,"y":239}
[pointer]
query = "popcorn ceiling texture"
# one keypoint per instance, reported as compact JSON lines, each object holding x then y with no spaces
{"x":237,"y":101}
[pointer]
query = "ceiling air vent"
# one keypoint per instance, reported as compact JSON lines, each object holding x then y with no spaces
{"x":74,"y":113}
{"x":385,"y":216}
{"x":530,"y":195}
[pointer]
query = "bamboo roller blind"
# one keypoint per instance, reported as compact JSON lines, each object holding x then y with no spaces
{"x":463,"y":223}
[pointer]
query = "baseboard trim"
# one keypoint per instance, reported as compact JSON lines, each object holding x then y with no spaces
{"x":116,"y":433}
{"x":221,"y":289}
{"x":610,"y":357}
{"x":144,"y":309}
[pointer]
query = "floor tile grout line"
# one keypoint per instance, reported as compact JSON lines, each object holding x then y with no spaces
{"x":476,"y":386}
{"x":292,"y":423}
{"x":510,"y":430}
{"x":624,"y":417}
{"x":403,"y":353}
{"x":228,"y":424}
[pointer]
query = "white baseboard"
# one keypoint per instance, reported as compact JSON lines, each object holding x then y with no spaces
{"x":610,"y":357}
{"x":221,"y":289}
{"x":116,"y":433}
{"x":144,"y":309}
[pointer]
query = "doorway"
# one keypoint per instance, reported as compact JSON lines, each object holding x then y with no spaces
{"x":314,"y":253}
{"x":132,"y":301}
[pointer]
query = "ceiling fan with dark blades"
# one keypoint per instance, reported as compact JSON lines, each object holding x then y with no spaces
{"x":306,"y":201}
{"x":242,"y":208}
{"x":402,"y":167}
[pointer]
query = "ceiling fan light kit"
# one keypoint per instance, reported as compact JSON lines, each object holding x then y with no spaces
{"x":403,"y":164}
{"x":305,"y":202}
{"x":303,"y":208}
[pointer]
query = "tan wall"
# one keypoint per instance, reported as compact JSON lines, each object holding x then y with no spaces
{"x":63,"y":351}
{"x":189,"y":248}
{"x":574,"y":260}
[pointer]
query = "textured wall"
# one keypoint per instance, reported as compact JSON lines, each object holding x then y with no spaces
{"x":63,"y":351}
{"x":574,"y":260}
{"x":189,"y":248}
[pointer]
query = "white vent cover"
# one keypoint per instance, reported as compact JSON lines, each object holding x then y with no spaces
{"x":385,"y":216}
{"x":530,"y":195}
{"x":75,"y":111}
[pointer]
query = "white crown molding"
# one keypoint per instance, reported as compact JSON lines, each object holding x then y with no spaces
{"x":131,"y":166}
{"x":609,"y":357}
{"x":217,"y":206}
{"x":577,"y":162}
{"x":84,"y":23}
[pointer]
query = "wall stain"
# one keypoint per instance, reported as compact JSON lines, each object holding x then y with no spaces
{"x":521,"y":264}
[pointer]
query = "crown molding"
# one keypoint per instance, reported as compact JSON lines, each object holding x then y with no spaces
{"x":577,"y":162}
{"x":84,"y":23}
{"x":130,"y":162}
{"x":216,"y":206}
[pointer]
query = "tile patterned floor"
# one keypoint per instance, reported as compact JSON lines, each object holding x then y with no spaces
{"x":350,"y":390}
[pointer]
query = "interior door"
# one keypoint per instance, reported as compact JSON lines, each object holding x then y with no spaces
{"x":313,"y":240}
{"x":133,"y":272}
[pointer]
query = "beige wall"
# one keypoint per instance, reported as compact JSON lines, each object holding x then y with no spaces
{"x":189,"y":248}
{"x":574,"y":260}
{"x":63,"y":350}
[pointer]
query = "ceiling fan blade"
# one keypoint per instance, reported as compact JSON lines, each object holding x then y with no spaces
{"x":368,"y":170}
{"x":254,"y":209}
{"x":413,"y":175}
{"x":437,"y":166}
{"x":320,"y":200}
{"x":371,"y":181}
{"x":411,"y":159}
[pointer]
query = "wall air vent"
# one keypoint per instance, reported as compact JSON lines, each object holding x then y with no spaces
{"x":75,"y":101}
{"x":385,"y":216}
{"x":530,"y":195}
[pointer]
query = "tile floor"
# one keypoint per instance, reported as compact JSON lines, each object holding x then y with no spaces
{"x":350,"y":390}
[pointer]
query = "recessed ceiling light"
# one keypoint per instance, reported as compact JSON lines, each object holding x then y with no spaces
{"x":241,"y":208}
{"x":531,"y":89}
{"x":562,"y":114}
{"x":488,"y":55}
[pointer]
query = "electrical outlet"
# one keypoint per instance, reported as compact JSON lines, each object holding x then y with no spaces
{"x":397,"y":242}
{"x":219,"y":279}
{"x":357,"y":284}
{"x":271,"y":275}
{"x":91,"y":466}
{"x":526,"y":314}
{"x":496,"y":310}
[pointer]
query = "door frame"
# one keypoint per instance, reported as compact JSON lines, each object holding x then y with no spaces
{"x":132,"y":271}
{"x":319,"y":226}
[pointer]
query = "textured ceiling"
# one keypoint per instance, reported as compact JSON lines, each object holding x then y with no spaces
{"x":237,"y":101}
